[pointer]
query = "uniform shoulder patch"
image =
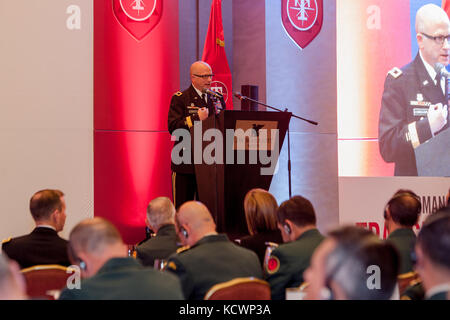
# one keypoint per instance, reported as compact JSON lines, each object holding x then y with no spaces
{"x":273,"y":265}
{"x":172,"y":266}
{"x":395,"y":72}
{"x":6,"y":240}
{"x":183,"y":249}
{"x":178,"y":93}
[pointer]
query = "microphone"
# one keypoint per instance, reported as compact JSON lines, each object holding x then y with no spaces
{"x":440,"y":69}
{"x":239,"y":96}
{"x":214,"y":94}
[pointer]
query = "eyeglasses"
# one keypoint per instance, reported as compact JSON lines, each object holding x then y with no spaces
{"x":204,"y":76}
{"x":438,"y":39}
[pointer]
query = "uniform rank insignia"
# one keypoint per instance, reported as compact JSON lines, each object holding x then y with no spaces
{"x":395,"y":72}
{"x":179,"y":94}
{"x":182,"y":249}
{"x":273,"y":265}
{"x":172,"y":266}
{"x":6,"y":240}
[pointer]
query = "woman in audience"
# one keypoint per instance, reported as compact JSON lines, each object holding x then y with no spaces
{"x":260,"y":213}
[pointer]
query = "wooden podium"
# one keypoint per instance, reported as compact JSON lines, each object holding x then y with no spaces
{"x":222,"y":183}
{"x":433,"y":156}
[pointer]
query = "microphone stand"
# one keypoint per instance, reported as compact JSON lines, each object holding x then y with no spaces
{"x":241,"y":97}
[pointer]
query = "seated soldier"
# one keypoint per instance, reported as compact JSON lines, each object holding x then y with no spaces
{"x":160,"y":219}
{"x":297,"y":222}
{"x":211,"y":258}
{"x":353,"y":264}
{"x":401,"y":214}
{"x":96,"y":246}
{"x":42,"y":245}
{"x":433,"y":258}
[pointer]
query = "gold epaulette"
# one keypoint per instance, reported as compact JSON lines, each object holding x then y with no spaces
{"x":178,"y":93}
{"x":182,"y":249}
{"x":6,"y":240}
{"x":395,"y":72}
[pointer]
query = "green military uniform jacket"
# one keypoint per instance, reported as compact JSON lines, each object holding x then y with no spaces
{"x":126,"y":279}
{"x":288,"y":262}
{"x":212,"y":260}
{"x":404,"y":241}
{"x":159,"y":247}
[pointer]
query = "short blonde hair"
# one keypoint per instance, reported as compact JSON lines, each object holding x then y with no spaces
{"x":260,"y":208}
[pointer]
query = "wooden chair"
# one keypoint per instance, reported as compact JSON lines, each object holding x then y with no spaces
{"x":44,"y":281}
{"x":406,"y":280}
{"x":240,"y":289}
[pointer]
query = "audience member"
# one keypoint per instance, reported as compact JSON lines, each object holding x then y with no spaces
{"x":109,"y":274}
{"x":401,"y":214}
{"x":433,"y":258}
{"x":211,"y":257}
{"x":160,"y":219}
{"x":42,"y":245}
{"x":260,"y":209}
{"x":353,"y":264}
{"x":12,"y":283}
{"x":297,"y":222}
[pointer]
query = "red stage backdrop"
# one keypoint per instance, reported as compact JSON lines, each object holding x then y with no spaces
{"x":214,"y":54}
{"x":136,"y":71}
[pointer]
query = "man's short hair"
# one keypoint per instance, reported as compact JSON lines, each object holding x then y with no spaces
{"x":348,"y":264}
{"x":93,"y":235}
{"x":299,"y":210}
{"x":44,"y":202}
{"x":434,"y":238}
{"x":405,"y":207}
{"x":160,"y":211}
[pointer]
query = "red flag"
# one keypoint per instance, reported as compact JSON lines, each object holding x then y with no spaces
{"x":214,"y":54}
{"x":446,"y":6}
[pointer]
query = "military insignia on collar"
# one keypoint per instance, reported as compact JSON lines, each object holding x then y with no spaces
{"x":273,"y":265}
{"x":395,"y":72}
{"x":171,"y":265}
{"x":182,"y":249}
{"x":6,"y":240}
{"x":179,"y":94}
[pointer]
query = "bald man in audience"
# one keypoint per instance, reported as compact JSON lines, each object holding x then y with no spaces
{"x":96,"y":246}
{"x":160,"y":219}
{"x":12,"y":283}
{"x":209,"y":258}
{"x":43,"y":245}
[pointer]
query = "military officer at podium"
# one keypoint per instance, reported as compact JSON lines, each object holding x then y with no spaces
{"x":414,"y":108}
{"x":194,"y":104}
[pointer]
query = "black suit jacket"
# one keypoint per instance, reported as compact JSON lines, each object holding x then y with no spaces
{"x":406,"y":98}
{"x":159,"y":247}
{"x":182,"y":116}
{"x":257,"y":242}
{"x":41,"y":246}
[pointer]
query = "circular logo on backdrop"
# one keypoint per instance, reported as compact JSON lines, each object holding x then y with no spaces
{"x":302,"y":13}
{"x":138,"y":10}
{"x":221,"y":88}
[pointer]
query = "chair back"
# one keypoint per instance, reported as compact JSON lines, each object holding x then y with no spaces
{"x":406,"y":280}
{"x":45,"y":281}
{"x":240,"y":289}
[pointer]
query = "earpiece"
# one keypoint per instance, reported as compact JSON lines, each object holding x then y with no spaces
{"x":287,"y":228}
{"x":184,"y":232}
{"x":82,"y":265}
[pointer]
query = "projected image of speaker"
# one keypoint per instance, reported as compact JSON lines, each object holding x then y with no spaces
{"x":251,"y":92}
